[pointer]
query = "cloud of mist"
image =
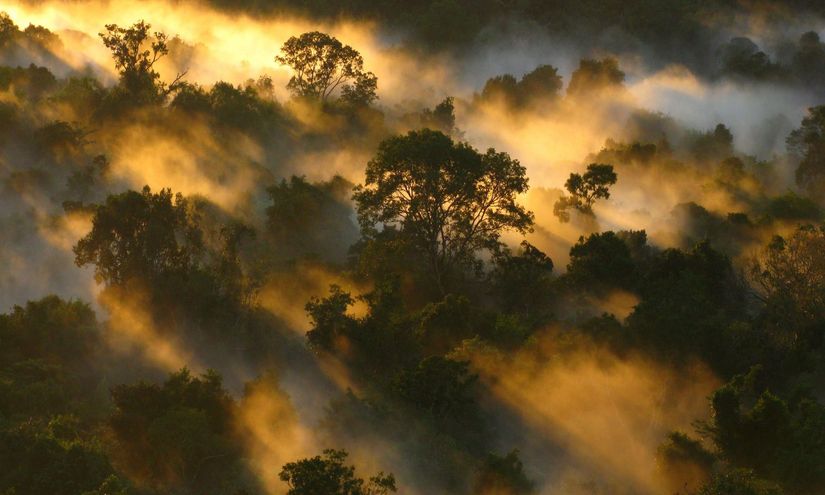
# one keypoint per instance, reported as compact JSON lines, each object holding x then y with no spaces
{"x":608,"y":414}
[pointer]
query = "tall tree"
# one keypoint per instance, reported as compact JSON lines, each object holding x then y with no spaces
{"x":135,"y":51}
{"x":324,"y":67}
{"x":447,"y":199}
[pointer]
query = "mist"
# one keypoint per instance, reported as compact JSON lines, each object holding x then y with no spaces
{"x":202,"y":290}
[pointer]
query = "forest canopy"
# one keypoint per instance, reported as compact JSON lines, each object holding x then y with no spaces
{"x":364,"y":248}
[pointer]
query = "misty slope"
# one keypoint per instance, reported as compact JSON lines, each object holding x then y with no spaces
{"x":494,"y":248}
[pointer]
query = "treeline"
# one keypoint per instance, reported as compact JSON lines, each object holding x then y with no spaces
{"x":663,"y":27}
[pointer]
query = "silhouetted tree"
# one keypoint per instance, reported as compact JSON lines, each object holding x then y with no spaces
{"x":808,"y":144}
{"x":177,"y":436}
{"x":135,"y":51}
{"x":742,"y":58}
{"x":790,"y":274}
{"x":447,"y":199}
{"x":139,"y":235}
{"x":522,"y":281}
{"x":595,"y":75}
{"x":323,"y":66}
{"x":330,"y":476}
{"x":441,"y":118}
{"x":585,"y":190}
{"x":542,"y":84}
{"x":601,"y":260}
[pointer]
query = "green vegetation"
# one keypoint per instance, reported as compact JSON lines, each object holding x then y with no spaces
{"x":326,"y":274}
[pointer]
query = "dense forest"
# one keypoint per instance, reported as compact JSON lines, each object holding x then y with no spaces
{"x":489,"y":247}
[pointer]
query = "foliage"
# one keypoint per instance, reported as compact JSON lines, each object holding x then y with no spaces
{"x":684,"y":463}
{"x":542,"y":84}
{"x":323,"y":67}
{"x":447,"y":199}
{"x":310,"y":218}
{"x":441,"y":117}
{"x":593,"y":76}
{"x":440,"y":388}
{"x":756,"y":430}
{"x":584,"y":190}
{"x":139,"y":235}
{"x":135,"y":51}
{"x":329,"y":475}
{"x":739,"y":482}
{"x":329,"y":319}
{"x":790,"y":274}
{"x":808,"y":144}
{"x":179,"y":434}
{"x":741,"y":58}
{"x":436,"y":288}
{"x":713,"y":145}
{"x":602,"y":260}
{"x":522,"y":281}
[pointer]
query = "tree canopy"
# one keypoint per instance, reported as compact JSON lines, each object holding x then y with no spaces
{"x":328,"y":474}
{"x":417,"y":320}
{"x":585,"y":190}
{"x":139,"y":235}
{"x":447,"y":199}
{"x":324,"y":69}
{"x":135,"y":51}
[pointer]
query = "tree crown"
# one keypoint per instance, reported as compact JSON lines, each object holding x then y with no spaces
{"x":324,"y":67}
{"x":447,"y":199}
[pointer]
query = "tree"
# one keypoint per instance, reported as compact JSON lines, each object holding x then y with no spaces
{"x":55,"y":331}
{"x":442,"y":392}
{"x":594,"y":76}
{"x":329,"y":319}
{"x":713,"y":145}
{"x":328,"y":475}
{"x":503,"y":87}
{"x":683,"y":462}
{"x":601,"y":260}
{"x":447,"y":199}
{"x":742,"y":58}
{"x":135,"y":52}
{"x":542,"y":83}
{"x":585,"y":190}
{"x":323,"y":67}
{"x":179,"y":436}
{"x":790,"y":274}
{"x":373,"y":346}
{"x":808,"y":63}
{"x":8,"y":29}
{"x":312,"y":218}
{"x":808,"y":144}
{"x":779,"y":440}
{"x":441,"y":118}
{"x":739,"y":482}
{"x":139,"y":235}
{"x":522,"y":281}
